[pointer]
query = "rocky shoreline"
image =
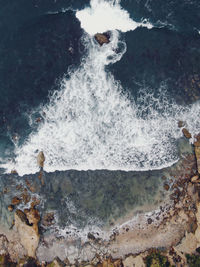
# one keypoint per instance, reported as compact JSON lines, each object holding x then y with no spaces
{"x":168,"y":236}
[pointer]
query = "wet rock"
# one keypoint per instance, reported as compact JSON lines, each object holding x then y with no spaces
{"x":41,"y":159}
{"x":35,"y":202}
{"x":197,"y":154}
{"x":181,"y":124}
{"x":10,"y":208}
{"x":186,"y":133}
{"x":30,"y":186}
{"x":26,"y":224}
{"x":25,"y":197}
{"x":149,"y":221}
{"x":197,"y":142}
{"x":66,"y":187}
{"x":102,"y":38}
{"x":91,"y":236}
{"x":39,"y":119}
{"x":16,"y":201}
{"x":48,"y":219}
{"x":166,"y":187}
{"x":14,"y":172}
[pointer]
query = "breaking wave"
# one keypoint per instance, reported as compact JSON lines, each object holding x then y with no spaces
{"x":90,"y":124}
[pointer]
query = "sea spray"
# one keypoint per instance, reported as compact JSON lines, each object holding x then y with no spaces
{"x":90,"y":124}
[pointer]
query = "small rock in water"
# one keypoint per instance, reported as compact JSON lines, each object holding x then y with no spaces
{"x":16,"y":201}
{"x":10,"y":208}
{"x":14,"y":172}
{"x":41,"y":159}
{"x":38,"y":120}
{"x":102,"y":38}
{"x":149,"y":220}
{"x":186,"y":133}
{"x":181,"y":124}
{"x":48,"y":219}
{"x":166,"y":187}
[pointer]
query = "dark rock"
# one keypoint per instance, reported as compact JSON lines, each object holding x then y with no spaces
{"x":166,"y":187}
{"x":22,"y":216}
{"x":102,"y":38}
{"x":149,"y":220}
{"x":91,"y":236}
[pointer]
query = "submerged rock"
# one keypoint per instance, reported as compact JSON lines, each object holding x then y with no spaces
{"x":41,"y":159}
{"x":102,"y":38}
{"x":26,"y":224}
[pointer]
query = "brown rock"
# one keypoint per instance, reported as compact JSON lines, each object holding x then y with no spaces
{"x":197,"y":142}
{"x":48,"y":219}
{"x":26,"y":224}
{"x":30,"y":186}
{"x":197,"y":154}
{"x":16,"y":201}
{"x":41,"y":159}
{"x":102,"y":38}
{"x":38,"y":120}
{"x":35,"y":202}
{"x":10,"y":208}
{"x":166,"y":187}
{"x":14,"y":172}
{"x":25,"y":197}
{"x":186,"y":133}
{"x":195,"y":179}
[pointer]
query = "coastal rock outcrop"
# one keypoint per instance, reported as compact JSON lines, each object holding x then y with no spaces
{"x":41,"y":159}
{"x":26,"y":224}
{"x":102,"y":38}
{"x":197,"y":152}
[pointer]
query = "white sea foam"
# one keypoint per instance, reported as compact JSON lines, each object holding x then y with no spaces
{"x":104,"y":16}
{"x":90,"y":124}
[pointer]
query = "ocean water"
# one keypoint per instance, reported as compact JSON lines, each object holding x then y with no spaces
{"x":108,"y":115}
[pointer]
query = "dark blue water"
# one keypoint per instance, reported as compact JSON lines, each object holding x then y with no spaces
{"x":41,"y":39}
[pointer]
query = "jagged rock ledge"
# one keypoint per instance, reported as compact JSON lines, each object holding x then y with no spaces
{"x":167,"y":237}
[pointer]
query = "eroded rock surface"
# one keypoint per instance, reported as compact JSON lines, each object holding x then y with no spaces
{"x":26,"y":224}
